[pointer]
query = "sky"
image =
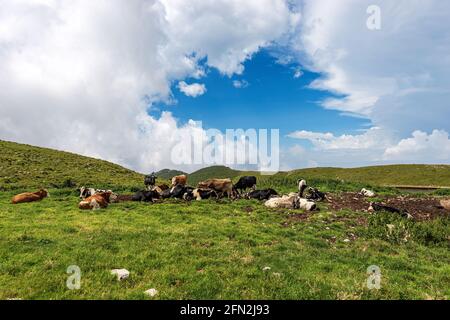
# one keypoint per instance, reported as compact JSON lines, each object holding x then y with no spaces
{"x":128,"y":81}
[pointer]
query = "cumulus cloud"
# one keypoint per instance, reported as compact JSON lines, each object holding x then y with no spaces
{"x":192,"y":90}
{"x":374,"y":138}
{"x":421,"y":147}
{"x":81,"y":75}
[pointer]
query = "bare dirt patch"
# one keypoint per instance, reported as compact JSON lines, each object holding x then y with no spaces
{"x":426,"y":208}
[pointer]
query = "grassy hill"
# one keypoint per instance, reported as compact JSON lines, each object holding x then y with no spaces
{"x":24,"y":167}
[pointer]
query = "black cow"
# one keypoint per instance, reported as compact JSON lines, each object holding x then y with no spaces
{"x":377,"y":207}
{"x":179,"y":191}
{"x":245,"y":182}
{"x":150,"y":180}
{"x":145,"y":195}
{"x":166,"y":194}
{"x":315,"y":195}
{"x":262,"y":194}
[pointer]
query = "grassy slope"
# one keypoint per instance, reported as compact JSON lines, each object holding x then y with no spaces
{"x":26,"y":167}
{"x":204,"y":250}
{"x":392,"y":175}
{"x":167,"y":174}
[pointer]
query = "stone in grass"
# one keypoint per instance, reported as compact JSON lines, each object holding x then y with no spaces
{"x":151,"y":292}
{"x":121,"y":273}
{"x":347,"y":240}
{"x":266,"y":268}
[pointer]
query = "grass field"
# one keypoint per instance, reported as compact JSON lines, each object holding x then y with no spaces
{"x":209,"y":249}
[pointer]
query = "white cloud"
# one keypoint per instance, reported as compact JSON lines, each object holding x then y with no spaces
{"x":192,"y":90}
{"x":421,"y":147}
{"x":240,"y":84}
{"x":81,"y":75}
{"x":374,"y":138}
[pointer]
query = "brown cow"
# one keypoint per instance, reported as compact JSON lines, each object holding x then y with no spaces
{"x":30,"y":196}
{"x":219,"y":185}
{"x":95,"y":202}
{"x":179,"y":180}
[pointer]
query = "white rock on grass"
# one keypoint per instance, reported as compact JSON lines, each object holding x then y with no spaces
{"x":266,"y":268}
{"x":347,"y":240}
{"x":121,"y":273}
{"x":151,"y":292}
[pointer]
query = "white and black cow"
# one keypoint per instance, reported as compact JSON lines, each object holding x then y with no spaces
{"x":301,"y":187}
{"x":261,"y":194}
{"x":150,"y":180}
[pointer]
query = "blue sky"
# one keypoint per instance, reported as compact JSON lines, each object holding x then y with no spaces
{"x":272,"y":98}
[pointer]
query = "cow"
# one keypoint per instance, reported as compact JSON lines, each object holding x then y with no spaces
{"x":150,"y":180}
{"x":96,"y":201}
{"x":88,"y":192}
{"x":179,"y":180}
{"x":30,"y":196}
{"x":261,"y":194}
{"x":301,"y":187}
{"x":165,"y":194}
{"x":200,"y":194}
{"x":245,"y":182}
{"x":220,"y":186}
{"x":145,"y":196}
{"x":367,"y":193}
{"x":179,"y":192}
{"x":378,"y":207}
{"x":315,"y":195}
{"x":291,"y":201}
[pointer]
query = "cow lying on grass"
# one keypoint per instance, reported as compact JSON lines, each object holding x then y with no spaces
{"x":145,"y":196}
{"x":315,"y":195}
{"x":30,"y":196}
{"x":378,"y":207}
{"x":88,"y":192}
{"x":291,"y":201}
{"x":261,"y":194}
{"x":97,"y":201}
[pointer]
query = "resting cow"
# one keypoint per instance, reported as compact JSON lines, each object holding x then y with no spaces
{"x":315,"y":195}
{"x":88,"y":192}
{"x":291,"y":201}
{"x":30,"y":196}
{"x":378,"y":207}
{"x":261,"y":194}
{"x":245,"y":182}
{"x":145,"y":196}
{"x":179,"y":180}
{"x":201,"y":194}
{"x":221,"y":186}
{"x":95,"y":202}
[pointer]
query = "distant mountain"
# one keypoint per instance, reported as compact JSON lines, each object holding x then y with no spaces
{"x":168,"y":173}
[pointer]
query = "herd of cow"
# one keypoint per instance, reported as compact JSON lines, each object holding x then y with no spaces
{"x":208,"y":189}
{"x":92,"y":199}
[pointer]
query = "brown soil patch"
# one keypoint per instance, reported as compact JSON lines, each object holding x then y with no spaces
{"x":421,"y":209}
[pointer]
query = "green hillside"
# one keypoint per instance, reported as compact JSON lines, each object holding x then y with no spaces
{"x":168,"y":173}
{"x":24,"y":167}
{"x":27,"y":167}
{"x":392,"y":175}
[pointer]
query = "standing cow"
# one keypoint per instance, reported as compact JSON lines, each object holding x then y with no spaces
{"x":150,"y":181}
{"x":221,"y":186}
{"x":179,"y":180}
{"x":244,"y":183}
